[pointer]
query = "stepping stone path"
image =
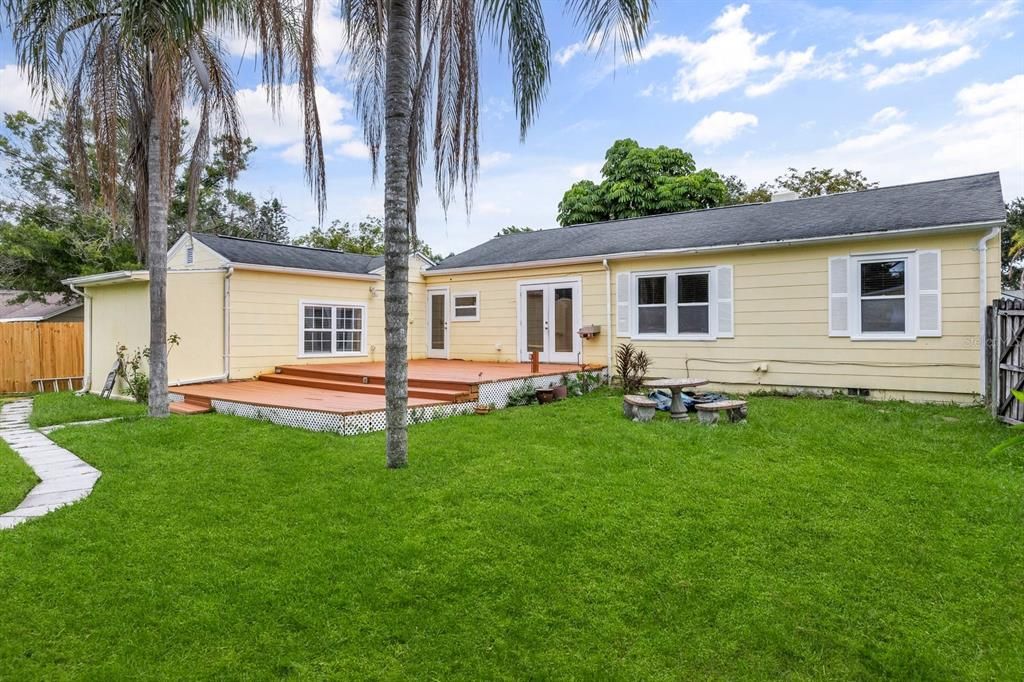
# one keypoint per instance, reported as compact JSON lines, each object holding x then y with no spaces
{"x":63,"y":478}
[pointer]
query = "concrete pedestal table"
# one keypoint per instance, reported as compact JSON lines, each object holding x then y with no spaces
{"x":678,"y":410}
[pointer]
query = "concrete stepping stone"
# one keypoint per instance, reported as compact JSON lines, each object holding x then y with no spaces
{"x":63,"y":477}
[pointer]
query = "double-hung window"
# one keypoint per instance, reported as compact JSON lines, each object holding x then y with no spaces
{"x":883,"y":296}
{"x":681,"y":304}
{"x":332,"y":329}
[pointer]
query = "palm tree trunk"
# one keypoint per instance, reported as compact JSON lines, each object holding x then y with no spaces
{"x":397,"y":108}
{"x":157,"y":260}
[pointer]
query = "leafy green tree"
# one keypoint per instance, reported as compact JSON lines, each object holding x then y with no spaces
{"x":513,"y":229}
{"x":221,"y":208}
{"x":639,"y":181}
{"x":1013,"y":245}
{"x":740,"y":194}
{"x":415,"y":71}
{"x":365,"y":237}
{"x":819,"y":181}
{"x":49,"y":230}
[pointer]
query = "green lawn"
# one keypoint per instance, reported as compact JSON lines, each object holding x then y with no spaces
{"x":823,"y":539}
{"x":16,"y":478}
{"x":64,"y":407}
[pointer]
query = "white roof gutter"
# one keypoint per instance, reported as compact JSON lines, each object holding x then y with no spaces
{"x":106,"y":278}
{"x":654,"y":253}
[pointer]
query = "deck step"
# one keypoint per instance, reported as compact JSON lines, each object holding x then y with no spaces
{"x":354,"y":377}
{"x":463,"y":394}
{"x":185,"y":407}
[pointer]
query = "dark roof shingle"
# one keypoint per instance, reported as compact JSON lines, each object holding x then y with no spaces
{"x":954,"y":201}
{"x":31,"y":309}
{"x":254,"y":252}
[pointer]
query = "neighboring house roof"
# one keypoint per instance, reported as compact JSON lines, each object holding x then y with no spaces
{"x":272,"y":254}
{"x":956,"y":201}
{"x":33,"y":310}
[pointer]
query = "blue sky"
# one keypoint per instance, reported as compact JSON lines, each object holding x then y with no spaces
{"x":904,"y":91}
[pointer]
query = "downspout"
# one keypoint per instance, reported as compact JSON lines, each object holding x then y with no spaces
{"x":983,"y":303}
{"x":227,"y":322}
{"x":87,"y":341}
{"x":608,"y":311}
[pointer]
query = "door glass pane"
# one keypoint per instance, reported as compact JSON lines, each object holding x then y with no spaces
{"x":563,"y":320}
{"x":535,"y":320}
{"x":437,"y":321}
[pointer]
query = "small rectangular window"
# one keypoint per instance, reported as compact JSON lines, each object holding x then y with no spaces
{"x":466,"y":307}
{"x":333,"y":329}
{"x":652,"y":306}
{"x":883,"y":296}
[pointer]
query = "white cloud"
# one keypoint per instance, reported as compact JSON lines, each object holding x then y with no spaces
{"x":586,"y":171}
{"x":937,"y":34}
{"x":492,"y":159}
{"x":985,"y":135}
{"x":887,"y":115}
{"x":569,"y":52}
{"x":721,"y":126}
{"x":354,"y":149}
{"x":15,"y":93}
{"x":874,"y":140}
{"x":931,"y":66}
{"x":983,"y":99}
{"x":285,"y":130}
{"x":731,"y":56}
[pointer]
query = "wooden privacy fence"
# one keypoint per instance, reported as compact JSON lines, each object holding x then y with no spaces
{"x":40,"y":350}
{"x":1005,"y":354}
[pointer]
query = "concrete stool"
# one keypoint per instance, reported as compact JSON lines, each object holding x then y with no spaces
{"x":729,"y":410}
{"x":639,"y":408}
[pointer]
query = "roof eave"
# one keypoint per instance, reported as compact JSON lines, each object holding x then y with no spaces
{"x":654,"y":253}
{"x":306,"y":271}
{"x":107,"y":278}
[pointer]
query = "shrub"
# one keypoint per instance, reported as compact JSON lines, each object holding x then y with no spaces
{"x":136,"y":381}
{"x":631,"y":367}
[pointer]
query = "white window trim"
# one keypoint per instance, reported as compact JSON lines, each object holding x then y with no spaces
{"x":334,"y":320}
{"x":909,"y":332}
{"x":476,"y":305}
{"x":672,"y":305}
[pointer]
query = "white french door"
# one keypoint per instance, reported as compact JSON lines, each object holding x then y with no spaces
{"x":549,"y":315}
{"x":437,"y":323}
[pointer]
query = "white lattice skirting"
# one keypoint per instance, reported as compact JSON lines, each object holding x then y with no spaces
{"x":495,"y":393}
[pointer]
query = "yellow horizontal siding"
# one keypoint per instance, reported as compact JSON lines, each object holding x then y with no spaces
{"x":781,"y":317}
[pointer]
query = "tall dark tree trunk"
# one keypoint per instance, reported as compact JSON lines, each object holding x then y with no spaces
{"x":398,"y":111}
{"x":157,"y":260}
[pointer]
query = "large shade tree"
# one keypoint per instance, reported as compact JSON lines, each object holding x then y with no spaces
{"x":134,"y":65}
{"x":416,"y":74}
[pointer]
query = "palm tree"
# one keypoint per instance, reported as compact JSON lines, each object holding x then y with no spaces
{"x":408,"y":56}
{"x":133,"y":66}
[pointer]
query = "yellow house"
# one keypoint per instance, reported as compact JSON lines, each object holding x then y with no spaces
{"x":880,"y":293}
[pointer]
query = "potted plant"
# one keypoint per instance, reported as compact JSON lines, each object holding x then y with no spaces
{"x":545,"y":395}
{"x":561,"y":391}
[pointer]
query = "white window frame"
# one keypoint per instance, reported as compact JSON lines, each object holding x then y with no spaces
{"x":333,"y":305}
{"x":909,"y":332}
{"x":672,"y":303}
{"x":455,"y":307}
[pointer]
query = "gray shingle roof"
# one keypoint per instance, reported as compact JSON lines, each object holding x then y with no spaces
{"x":54,"y":304}
{"x":974,"y":198}
{"x":254,"y":252}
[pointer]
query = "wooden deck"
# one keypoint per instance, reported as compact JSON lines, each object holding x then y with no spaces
{"x":355,"y":388}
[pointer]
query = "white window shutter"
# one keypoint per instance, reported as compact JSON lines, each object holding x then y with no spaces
{"x":622,"y":304}
{"x":929,"y":293}
{"x":839,"y":296}
{"x":725,"y":301}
